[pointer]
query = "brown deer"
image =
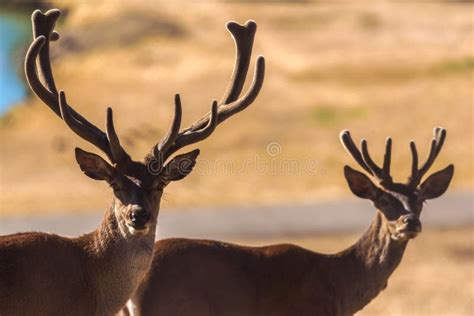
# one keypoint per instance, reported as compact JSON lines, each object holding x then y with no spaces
{"x":204,"y":278}
{"x":95,"y":274}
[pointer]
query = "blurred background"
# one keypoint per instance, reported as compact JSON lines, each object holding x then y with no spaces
{"x":272,"y":173}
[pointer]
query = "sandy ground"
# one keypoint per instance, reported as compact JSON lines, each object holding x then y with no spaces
{"x":377,"y":68}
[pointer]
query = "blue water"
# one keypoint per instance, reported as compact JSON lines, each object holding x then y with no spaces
{"x":14,"y":34}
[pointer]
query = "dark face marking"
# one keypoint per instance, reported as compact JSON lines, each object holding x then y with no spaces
{"x":402,"y":212}
{"x":137,"y":192}
{"x":137,"y":202}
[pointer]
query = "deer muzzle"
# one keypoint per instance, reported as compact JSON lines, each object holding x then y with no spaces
{"x":139,"y":218}
{"x":409,"y":225}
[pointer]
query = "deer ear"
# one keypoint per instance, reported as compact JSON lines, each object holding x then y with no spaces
{"x":437,"y":183}
{"x":360,"y":184}
{"x":94,"y":166}
{"x":180,"y":166}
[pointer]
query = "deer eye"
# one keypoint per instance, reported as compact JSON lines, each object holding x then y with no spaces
{"x":386,"y":203}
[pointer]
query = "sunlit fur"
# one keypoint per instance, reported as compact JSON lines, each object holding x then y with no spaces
{"x":204,"y":278}
{"x":90,"y":275}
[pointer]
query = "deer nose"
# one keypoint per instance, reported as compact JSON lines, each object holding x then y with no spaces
{"x":139,"y":218}
{"x":413,"y":222}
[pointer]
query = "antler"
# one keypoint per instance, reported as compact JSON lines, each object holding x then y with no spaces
{"x":364,"y":159}
{"x":439,"y":135}
{"x":38,"y":60}
{"x":230,"y":103}
{"x":45,"y":88}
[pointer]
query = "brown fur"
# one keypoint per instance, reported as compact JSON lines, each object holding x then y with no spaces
{"x":95,"y":274}
{"x":207,"y":278}
{"x":204,"y":278}
{"x":46,"y":274}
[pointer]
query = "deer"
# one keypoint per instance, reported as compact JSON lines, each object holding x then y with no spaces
{"x":96,"y":273}
{"x":209,"y":278}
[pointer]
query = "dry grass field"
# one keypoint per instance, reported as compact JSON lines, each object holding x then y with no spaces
{"x":435,"y":277}
{"x":377,"y":68}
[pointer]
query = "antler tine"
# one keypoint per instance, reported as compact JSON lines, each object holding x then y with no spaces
{"x":364,"y":159}
{"x":48,"y":97}
{"x":75,"y":126}
{"x":43,"y":24}
{"x":175,"y":126}
{"x":172,"y":143}
{"x":414,"y":163}
{"x":230,"y":104}
{"x":439,"y":135}
{"x":118,"y":153}
{"x":227,"y":110}
{"x":387,"y":158}
{"x":192,"y":137}
{"x":382,"y":174}
{"x":430,"y":159}
{"x":435,"y":147}
{"x":38,"y":53}
{"x":376,"y":171}
{"x":31,"y":74}
{"x":243,"y":37}
{"x":349,"y":145}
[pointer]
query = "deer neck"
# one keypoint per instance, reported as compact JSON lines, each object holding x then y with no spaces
{"x":116,"y":261}
{"x":368,"y":263}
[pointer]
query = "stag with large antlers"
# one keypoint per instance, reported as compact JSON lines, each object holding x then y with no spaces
{"x":95,"y":274}
{"x":204,"y":278}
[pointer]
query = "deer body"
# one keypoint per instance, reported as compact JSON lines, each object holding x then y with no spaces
{"x":67,"y":274}
{"x":95,"y":274}
{"x":207,"y":278}
{"x":283,"y":280}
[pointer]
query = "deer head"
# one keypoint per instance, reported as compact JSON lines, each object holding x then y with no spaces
{"x":138,"y":185}
{"x":399,"y":203}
